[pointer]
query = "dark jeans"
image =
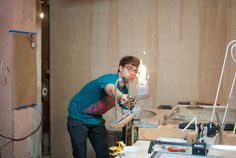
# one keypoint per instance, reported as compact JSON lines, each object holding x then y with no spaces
{"x":80,"y":131}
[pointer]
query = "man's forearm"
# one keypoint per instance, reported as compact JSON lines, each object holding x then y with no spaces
{"x":110,"y":90}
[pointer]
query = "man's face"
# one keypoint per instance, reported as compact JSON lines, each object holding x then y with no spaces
{"x":128,"y":71}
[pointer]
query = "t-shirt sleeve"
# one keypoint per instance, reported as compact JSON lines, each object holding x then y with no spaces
{"x":104,"y":81}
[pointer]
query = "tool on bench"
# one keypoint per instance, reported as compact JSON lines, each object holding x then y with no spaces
{"x":176,"y":149}
{"x":172,"y":143}
{"x":211,"y":129}
{"x":115,"y":150}
{"x":197,"y":148}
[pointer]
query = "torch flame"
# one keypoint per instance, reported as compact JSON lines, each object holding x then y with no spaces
{"x":142,"y":79}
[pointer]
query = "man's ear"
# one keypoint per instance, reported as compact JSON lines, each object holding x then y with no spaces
{"x":121,"y":67}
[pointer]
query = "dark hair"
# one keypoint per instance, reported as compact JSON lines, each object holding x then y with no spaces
{"x":129,"y":60}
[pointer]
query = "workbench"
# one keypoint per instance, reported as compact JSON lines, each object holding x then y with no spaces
{"x":171,"y":124}
{"x":144,"y":145}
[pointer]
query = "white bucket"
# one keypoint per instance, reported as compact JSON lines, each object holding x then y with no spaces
{"x":131,"y":151}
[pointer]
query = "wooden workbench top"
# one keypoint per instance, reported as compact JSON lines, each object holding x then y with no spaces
{"x":143,"y":146}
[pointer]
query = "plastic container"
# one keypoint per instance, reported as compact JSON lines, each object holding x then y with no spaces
{"x":131,"y":151}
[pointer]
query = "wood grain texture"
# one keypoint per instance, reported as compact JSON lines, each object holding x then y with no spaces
{"x":18,"y":79}
{"x":24,"y":82}
{"x":214,"y":35}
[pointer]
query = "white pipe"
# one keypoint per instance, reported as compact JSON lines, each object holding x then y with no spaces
{"x":228,"y":102}
{"x":116,"y":99}
{"x":231,"y":90}
{"x":231,"y":52}
{"x":193,"y":120}
{"x":127,"y":84}
{"x":196,"y":128}
{"x":221,"y":76}
{"x":223,"y":147}
{"x":116,"y":102}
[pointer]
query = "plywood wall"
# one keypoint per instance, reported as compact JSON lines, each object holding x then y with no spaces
{"x":184,"y":41}
{"x":20,"y":16}
{"x":24,"y":82}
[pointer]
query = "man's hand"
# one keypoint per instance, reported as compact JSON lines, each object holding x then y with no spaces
{"x":126,"y":102}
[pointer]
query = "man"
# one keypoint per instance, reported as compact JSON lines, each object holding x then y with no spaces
{"x":95,"y":98}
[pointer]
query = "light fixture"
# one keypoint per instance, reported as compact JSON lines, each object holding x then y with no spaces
{"x":41,"y":15}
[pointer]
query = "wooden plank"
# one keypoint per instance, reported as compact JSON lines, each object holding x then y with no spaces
{"x":124,"y":122}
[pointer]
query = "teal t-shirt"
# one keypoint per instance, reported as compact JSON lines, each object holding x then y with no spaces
{"x":91,"y":93}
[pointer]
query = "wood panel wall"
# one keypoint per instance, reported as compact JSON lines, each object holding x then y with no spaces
{"x":19,"y":15}
{"x":184,"y":41}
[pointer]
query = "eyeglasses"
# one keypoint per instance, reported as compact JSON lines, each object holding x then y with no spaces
{"x":131,"y":68}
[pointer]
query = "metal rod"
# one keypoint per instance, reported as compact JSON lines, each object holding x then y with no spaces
{"x":132,"y":131}
{"x":173,"y":143}
{"x":217,"y":147}
{"x":128,"y":96}
{"x":222,"y":147}
{"x":116,"y":102}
